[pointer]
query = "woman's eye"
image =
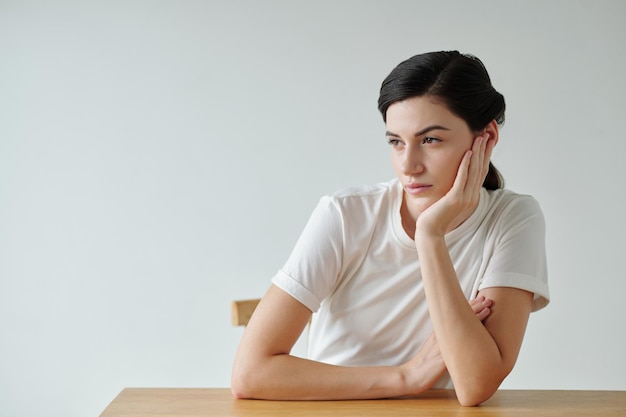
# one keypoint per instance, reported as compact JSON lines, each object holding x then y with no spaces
{"x":429,"y":139}
{"x":393,"y":142}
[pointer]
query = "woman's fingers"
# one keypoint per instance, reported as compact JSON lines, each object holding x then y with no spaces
{"x":473,"y":167}
{"x":477,"y":171}
{"x":463,"y":173}
{"x":488,"y":151}
{"x":483,"y":314}
{"x":481,"y":306}
{"x":479,"y":303}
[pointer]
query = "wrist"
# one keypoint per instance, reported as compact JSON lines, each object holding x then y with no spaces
{"x":412,"y":380}
{"x":405,"y":380}
{"x":429,"y":236}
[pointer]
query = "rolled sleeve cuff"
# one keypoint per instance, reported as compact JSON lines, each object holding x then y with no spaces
{"x":529,"y":283}
{"x":296,"y":290}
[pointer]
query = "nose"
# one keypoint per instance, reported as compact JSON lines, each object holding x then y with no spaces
{"x":413,"y":162}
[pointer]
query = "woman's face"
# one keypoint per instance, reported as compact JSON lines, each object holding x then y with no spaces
{"x":427,"y":145}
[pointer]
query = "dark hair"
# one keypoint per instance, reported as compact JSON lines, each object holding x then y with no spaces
{"x":460,"y":81}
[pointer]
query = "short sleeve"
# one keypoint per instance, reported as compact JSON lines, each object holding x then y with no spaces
{"x":519,"y":252}
{"x":312,"y":269}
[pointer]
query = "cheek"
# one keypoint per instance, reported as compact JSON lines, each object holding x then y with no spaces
{"x":396,"y":161}
{"x":448,"y":166}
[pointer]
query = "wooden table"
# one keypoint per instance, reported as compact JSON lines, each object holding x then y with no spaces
{"x":196,"y":402}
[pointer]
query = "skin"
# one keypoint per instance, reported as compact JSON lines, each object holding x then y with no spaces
{"x":478,"y":355}
{"x":478,"y":342}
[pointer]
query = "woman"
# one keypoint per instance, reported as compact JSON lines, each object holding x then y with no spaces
{"x":389,"y":269}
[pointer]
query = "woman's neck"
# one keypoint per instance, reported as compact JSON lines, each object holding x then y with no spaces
{"x":408,"y":219}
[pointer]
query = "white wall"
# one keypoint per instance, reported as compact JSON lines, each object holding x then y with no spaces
{"x":159,"y":159}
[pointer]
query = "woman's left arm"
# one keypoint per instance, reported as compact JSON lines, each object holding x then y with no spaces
{"x":478,"y":355}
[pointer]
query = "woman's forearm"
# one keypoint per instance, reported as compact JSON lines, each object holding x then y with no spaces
{"x":285,"y":377}
{"x":264,"y":369}
{"x":470,"y":353}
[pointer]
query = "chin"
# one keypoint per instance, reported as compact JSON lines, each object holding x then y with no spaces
{"x":418,"y":205}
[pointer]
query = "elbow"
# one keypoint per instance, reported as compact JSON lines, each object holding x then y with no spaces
{"x":238,"y":390}
{"x":474,"y":398}
{"x":242,"y":382}
{"x":478,"y":386}
{"x":237,"y":387}
{"x":250,"y":379}
{"x":475,"y":392}
{"x":237,"y":393}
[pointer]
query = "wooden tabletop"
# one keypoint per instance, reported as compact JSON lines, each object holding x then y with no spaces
{"x":197,"y":402}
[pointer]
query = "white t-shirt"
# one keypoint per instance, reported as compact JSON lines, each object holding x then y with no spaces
{"x":355,"y":267}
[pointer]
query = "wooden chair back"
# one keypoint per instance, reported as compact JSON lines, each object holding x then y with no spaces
{"x":241,"y":311}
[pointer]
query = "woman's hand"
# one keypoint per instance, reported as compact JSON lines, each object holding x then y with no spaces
{"x":461,"y":201}
{"x":428,"y":366}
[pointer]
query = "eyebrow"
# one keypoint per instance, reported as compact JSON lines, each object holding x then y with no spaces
{"x":421,"y":132}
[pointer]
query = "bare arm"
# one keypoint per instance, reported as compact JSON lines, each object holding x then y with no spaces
{"x":265,"y":369}
{"x":477,"y":356}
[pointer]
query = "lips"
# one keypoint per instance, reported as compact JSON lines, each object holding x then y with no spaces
{"x":416,"y":188}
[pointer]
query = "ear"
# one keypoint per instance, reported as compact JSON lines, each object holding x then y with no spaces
{"x":493,"y":130}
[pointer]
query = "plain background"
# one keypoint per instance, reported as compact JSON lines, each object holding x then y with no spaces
{"x":160,"y":158}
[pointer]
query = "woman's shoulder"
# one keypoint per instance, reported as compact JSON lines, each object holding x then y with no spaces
{"x":381,"y":189}
{"x":505,"y":203}
{"x":357,"y":203}
{"x":505,"y":197}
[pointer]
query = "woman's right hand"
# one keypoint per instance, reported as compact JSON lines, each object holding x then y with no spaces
{"x":428,"y":366}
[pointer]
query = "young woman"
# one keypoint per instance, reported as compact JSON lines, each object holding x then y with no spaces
{"x":388,"y":269}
